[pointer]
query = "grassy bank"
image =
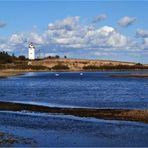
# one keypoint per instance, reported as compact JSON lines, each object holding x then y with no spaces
{"x":21,"y":63}
{"x":12,"y":66}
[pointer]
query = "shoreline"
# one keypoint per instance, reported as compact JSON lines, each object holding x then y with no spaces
{"x":131,"y":75}
{"x":137,"y":115}
{"x":10,"y":72}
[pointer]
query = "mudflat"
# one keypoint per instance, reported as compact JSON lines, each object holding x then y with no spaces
{"x":4,"y":74}
{"x":131,"y":75}
{"x":7,"y":139}
{"x":107,"y":114}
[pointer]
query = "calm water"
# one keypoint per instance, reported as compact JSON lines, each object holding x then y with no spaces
{"x":56,"y":130}
{"x":92,"y":89}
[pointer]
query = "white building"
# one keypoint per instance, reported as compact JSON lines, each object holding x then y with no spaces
{"x":31,"y":51}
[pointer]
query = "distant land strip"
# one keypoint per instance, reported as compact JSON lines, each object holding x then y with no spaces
{"x":131,"y":75}
{"x":107,"y":114}
{"x":56,"y":63}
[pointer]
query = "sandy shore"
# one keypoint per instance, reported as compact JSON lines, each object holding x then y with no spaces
{"x":131,"y":75}
{"x":108,"y":114}
{"x":10,"y":72}
{"x":4,"y":74}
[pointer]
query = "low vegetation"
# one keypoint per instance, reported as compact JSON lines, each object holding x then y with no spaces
{"x":5,"y":58}
{"x":56,"y":63}
{"x":23,"y":67}
{"x":12,"y":62}
{"x":60,"y":67}
{"x":137,"y":66}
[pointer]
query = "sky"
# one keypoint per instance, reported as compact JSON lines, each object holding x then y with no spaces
{"x":109,"y":30}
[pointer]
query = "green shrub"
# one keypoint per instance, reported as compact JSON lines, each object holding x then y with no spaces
{"x":5,"y":58}
{"x":91,"y":67}
{"x":60,"y":67}
{"x":116,"y":67}
{"x":23,"y":67}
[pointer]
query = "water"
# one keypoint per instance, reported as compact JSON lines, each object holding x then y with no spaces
{"x":92,"y":89}
{"x":56,"y":130}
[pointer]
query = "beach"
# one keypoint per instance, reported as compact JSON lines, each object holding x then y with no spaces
{"x":8,"y":74}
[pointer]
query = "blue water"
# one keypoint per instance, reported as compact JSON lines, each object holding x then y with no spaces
{"x":69,"y":131}
{"x":92,"y":89}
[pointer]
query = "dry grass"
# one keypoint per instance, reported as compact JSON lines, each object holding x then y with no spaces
{"x":78,"y":64}
{"x":4,"y":74}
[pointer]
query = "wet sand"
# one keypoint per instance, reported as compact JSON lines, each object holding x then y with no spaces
{"x":131,"y":75}
{"x":7,"y":139}
{"x":107,"y":114}
{"x":8,"y":74}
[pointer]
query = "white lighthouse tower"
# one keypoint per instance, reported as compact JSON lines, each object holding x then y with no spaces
{"x":31,"y":51}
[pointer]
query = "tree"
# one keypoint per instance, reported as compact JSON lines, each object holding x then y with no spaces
{"x":57,"y":56}
{"x":21,"y":57}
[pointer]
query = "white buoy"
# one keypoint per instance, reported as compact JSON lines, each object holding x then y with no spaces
{"x":56,"y":74}
{"x":81,"y":74}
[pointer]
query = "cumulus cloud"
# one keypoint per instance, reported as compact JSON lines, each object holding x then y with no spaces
{"x":70,"y":35}
{"x":126,"y":21}
{"x":2,"y":24}
{"x":68,"y":23}
{"x":99,"y":18}
{"x":142,"y":33}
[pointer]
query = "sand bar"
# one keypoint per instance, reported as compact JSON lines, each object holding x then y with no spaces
{"x":131,"y":75}
{"x":108,"y":114}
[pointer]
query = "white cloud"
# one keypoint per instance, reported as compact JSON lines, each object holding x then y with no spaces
{"x":83,"y":36}
{"x":126,"y":21}
{"x":146,"y":42}
{"x":99,"y":18}
{"x":68,"y":23}
{"x":142,"y":33}
{"x":2,"y":24}
{"x":70,"y":35}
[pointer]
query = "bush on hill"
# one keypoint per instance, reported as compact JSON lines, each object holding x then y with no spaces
{"x":115,"y":67}
{"x":5,"y":58}
{"x":91,"y":67}
{"x":23,"y":67}
{"x":60,"y":67}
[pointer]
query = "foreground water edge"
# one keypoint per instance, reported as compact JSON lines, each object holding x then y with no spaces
{"x":73,"y":109}
{"x":108,"y":114}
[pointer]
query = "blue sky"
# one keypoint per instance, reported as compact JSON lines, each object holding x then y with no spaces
{"x":116,"y":30}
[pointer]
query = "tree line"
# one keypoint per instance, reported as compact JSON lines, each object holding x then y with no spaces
{"x":7,"y":58}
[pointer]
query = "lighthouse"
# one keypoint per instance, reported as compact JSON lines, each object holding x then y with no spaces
{"x":31,"y":51}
